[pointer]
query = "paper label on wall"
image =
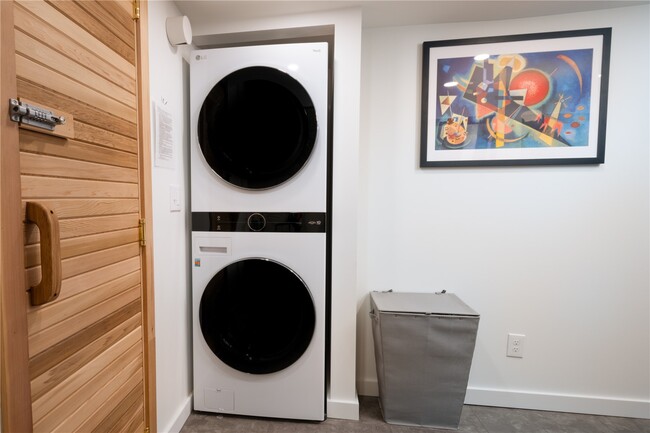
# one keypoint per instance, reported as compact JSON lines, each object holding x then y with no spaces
{"x":164,"y":155}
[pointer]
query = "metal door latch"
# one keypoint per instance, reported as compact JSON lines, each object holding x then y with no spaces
{"x":22,"y":112}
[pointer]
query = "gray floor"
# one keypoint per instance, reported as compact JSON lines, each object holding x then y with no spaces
{"x":474,"y":419}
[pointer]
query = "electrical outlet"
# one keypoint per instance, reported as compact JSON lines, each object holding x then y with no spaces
{"x":515,"y":345}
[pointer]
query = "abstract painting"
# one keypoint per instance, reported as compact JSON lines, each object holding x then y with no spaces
{"x":515,"y":100}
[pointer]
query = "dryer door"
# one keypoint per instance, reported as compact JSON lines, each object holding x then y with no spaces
{"x":257,"y":127}
{"x":257,"y":316}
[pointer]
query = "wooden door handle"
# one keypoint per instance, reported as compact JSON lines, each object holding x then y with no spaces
{"x":48,"y":224}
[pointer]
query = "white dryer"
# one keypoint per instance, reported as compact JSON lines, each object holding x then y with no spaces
{"x":259,"y":312}
{"x":259,"y":128}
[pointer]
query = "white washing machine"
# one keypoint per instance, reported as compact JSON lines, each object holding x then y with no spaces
{"x":259,"y":128}
{"x":259,"y":311}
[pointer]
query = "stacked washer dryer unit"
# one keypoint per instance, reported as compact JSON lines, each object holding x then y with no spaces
{"x":259,"y":200}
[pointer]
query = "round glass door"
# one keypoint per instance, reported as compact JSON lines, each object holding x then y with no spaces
{"x":257,"y":316}
{"x":257,"y":127}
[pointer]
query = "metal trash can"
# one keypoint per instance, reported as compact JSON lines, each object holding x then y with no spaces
{"x":424,"y":343}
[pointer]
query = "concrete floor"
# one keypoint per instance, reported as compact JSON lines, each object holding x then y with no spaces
{"x":474,"y":419}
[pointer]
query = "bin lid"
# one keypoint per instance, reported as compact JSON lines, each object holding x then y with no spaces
{"x":421,"y":303}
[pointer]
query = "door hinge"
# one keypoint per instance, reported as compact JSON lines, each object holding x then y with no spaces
{"x":142,"y":225}
{"x":136,"y":10}
{"x":146,"y":430}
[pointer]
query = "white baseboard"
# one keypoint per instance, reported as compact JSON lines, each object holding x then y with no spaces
{"x":594,"y":405}
{"x":343,"y":409}
{"x":177,"y":422}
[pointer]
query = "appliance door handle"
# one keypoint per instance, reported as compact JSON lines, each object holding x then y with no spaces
{"x":48,"y":224}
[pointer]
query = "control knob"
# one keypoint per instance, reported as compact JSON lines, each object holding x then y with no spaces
{"x":256,"y":222}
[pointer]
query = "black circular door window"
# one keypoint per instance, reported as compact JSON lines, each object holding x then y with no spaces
{"x":257,"y":316}
{"x":257,"y":127}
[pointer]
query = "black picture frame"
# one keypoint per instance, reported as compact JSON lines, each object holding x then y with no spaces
{"x":528,"y":99}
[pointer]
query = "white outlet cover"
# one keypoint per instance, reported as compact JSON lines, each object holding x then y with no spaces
{"x":515,"y":345}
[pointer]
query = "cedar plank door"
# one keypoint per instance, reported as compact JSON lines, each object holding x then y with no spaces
{"x":87,"y":366}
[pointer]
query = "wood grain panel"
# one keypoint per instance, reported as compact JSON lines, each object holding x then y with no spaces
{"x":47,"y":338}
{"x":40,"y":317}
{"x":117,"y":11}
{"x":47,"y":145}
{"x":45,"y":165}
{"x":135,"y":410}
{"x":50,"y":187}
{"x":69,"y":394}
{"x":98,"y":259}
{"x":110,"y":21}
{"x":59,"y":419}
{"x":84,"y":264}
{"x":53,"y":356}
{"x":80,"y":283}
{"x":57,"y":374}
{"x":95,"y":417}
{"x":45,"y":32}
{"x":120,"y":415}
{"x":87,"y":262}
{"x":36,"y":73}
{"x":77,"y":33}
{"x":94,"y":27}
{"x":83,"y":245}
{"x":74,"y":208}
{"x":81,"y":111}
{"x":91,"y":134}
{"x":70,"y":228}
{"x":92,"y":225}
{"x":41,"y":53}
{"x":126,"y":6}
{"x":136,"y":423}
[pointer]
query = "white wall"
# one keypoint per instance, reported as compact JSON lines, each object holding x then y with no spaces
{"x":560,"y":254}
{"x":172,"y":292}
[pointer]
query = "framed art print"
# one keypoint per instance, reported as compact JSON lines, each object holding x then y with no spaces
{"x":515,"y":100}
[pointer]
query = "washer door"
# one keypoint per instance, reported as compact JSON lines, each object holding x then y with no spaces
{"x":257,"y":127}
{"x":257,"y":316}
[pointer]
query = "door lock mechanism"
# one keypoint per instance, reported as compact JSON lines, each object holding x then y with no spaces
{"x":28,"y":114}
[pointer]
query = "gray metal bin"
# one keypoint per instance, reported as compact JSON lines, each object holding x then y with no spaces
{"x":424,"y":343}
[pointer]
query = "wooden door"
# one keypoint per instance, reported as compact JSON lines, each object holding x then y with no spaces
{"x":90,"y":350}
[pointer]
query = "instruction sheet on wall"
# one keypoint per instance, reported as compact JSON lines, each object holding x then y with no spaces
{"x":164,"y":154}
